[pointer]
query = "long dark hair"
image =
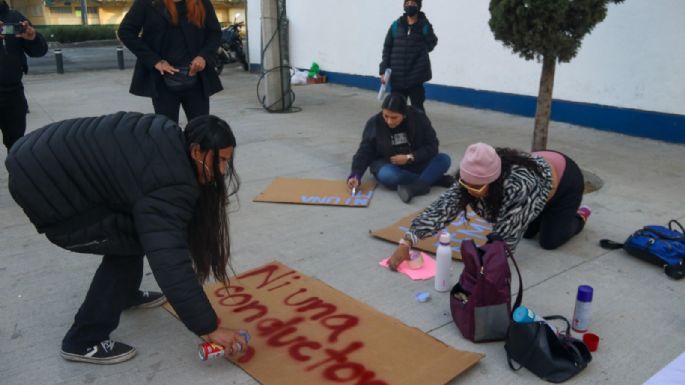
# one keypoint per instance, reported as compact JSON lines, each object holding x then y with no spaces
{"x":196,"y":12}
{"x":493,"y":200}
{"x":209,"y":241}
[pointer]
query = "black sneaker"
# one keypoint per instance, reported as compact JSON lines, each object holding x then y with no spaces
{"x":446,"y":181}
{"x":147,"y":300}
{"x":105,"y":353}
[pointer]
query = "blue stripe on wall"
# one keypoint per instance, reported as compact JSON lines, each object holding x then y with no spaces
{"x":646,"y":124}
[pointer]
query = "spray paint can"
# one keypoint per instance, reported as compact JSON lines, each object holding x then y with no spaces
{"x":583,"y":310}
{"x":210,"y":350}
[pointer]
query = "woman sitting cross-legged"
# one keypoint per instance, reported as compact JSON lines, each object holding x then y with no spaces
{"x":400,"y":147}
{"x":522,"y":194}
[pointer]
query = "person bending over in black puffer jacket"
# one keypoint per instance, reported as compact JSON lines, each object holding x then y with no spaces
{"x":405,"y":51}
{"x":127,"y":185}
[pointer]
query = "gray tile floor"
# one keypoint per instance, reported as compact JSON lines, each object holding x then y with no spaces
{"x":637,"y":311}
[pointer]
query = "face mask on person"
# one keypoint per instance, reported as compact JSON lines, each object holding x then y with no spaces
{"x":4,"y":7}
{"x":411,"y":10}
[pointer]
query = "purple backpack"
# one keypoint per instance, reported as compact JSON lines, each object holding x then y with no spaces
{"x":481,"y":300}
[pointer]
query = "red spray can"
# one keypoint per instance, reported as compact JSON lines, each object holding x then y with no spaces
{"x":209,"y":350}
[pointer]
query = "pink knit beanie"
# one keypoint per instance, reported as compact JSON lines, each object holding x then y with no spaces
{"x":480,"y":165}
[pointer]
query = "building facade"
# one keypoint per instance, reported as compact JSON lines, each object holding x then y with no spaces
{"x":104,"y":12}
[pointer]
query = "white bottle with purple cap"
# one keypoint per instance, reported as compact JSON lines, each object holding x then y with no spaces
{"x":583,"y":311}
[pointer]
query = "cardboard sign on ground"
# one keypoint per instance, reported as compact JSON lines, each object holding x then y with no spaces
{"x":316,"y":192}
{"x":475,"y":228}
{"x":304,"y":332}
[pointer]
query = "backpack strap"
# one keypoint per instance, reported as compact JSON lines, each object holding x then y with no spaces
{"x":674,"y":222}
{"x":519,"y":295}
{"x":610,"y":245}
{"x":394,"y":27}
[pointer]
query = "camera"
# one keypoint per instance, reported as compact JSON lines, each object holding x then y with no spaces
{"x":11,"y":29}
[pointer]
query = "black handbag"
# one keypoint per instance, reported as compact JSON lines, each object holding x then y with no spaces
{"x":181,"y":80}
{"x":554,"y":358}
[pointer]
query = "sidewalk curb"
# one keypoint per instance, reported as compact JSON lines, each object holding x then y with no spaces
{"x":88,"y":43}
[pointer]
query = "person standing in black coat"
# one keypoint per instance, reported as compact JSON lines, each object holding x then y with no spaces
{"x":129,"y":185}
{"x":178,"y":39}
{"x":405,"y":51}
{"x":400,"y":147}
{"x":13,"y":66}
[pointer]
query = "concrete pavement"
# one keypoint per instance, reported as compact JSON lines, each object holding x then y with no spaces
{"x":637,"y":310}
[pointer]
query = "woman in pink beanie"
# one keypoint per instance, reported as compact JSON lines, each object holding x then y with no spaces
{"x":521,"y":194}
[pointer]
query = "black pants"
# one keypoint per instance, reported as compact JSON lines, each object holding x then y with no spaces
{"x":194,"y":102}
{"x":13,"y":108}
{"x":559,"y":221}
{"x":417,"y":95}
{"x":113,"y":289}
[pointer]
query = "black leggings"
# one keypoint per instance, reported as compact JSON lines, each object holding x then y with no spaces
{"x":13,"y":108}
{"x":194,"y":102}
{"x":114,"y":286}
{"x":559,"y":221}
{"x":417,"y":96}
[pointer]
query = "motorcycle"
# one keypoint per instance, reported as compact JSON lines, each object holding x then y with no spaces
{"x":231,"y":48}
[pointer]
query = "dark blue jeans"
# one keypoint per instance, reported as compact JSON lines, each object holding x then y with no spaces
{"x":114,"y":285}
{"x":428,"y":172}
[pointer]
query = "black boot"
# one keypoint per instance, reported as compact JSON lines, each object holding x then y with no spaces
{"x":408,"y":191}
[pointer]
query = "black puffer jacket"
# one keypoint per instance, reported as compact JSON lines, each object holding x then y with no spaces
{"x":406,"y":51}
{"x":118,"y":184}
{"x":375,"y":148}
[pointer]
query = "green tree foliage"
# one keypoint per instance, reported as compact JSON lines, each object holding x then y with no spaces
{"x":547,"y":31}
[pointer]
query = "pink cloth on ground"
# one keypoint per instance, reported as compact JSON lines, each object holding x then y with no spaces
{"x":427,"y":271}
{"x":555,"y":159}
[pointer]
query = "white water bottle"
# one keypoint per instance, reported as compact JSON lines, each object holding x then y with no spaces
{"x":443,"y":259}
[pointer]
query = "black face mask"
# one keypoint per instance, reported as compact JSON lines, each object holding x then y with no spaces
{"x":411,"y":10}
{"x":4,"y":7}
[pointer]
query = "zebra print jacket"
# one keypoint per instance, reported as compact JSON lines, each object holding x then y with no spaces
{"x":525,"y":196}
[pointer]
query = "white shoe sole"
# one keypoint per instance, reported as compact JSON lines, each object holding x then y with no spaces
{"x":100,"y":361}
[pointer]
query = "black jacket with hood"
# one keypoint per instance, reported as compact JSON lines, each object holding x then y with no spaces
{"x":118,"y":184}
{"x":406,"y":50}
{"x":376,"y":149}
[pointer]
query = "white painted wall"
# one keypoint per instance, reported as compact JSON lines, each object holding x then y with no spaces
{"x":635,"y":58}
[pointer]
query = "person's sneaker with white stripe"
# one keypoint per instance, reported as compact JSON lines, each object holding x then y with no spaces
{"x":104,"y":353}
{"x":148,"y":299}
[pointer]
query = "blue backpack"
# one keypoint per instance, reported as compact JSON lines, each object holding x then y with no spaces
{"x":662,"y":246}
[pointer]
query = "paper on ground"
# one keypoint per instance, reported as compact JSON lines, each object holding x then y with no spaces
{"x":427,"y":271}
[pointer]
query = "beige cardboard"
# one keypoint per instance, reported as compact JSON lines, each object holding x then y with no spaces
{"x":475,"y":228}
{"x":304,"y":332}
{"x":316,"y":192}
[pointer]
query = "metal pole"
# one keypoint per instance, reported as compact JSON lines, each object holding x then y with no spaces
{"x":84,"y":12}
{"x":120,"y":57}
{"x":58,"y":61}
{"x":277,"y":78}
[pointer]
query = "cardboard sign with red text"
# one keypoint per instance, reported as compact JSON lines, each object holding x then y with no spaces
{"x":475,"y":228}
{"x":316,"y":192}
{"x":304,"y":332}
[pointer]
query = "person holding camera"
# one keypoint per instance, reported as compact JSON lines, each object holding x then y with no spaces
{"x":175,"y":42}
{"x":18,"y":38}
{"x":405,"y":51}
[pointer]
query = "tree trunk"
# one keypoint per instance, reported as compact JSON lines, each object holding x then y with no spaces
{"x":544,"y":106}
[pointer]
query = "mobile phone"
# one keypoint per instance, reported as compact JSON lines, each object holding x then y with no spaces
{"x":11,"y":29}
